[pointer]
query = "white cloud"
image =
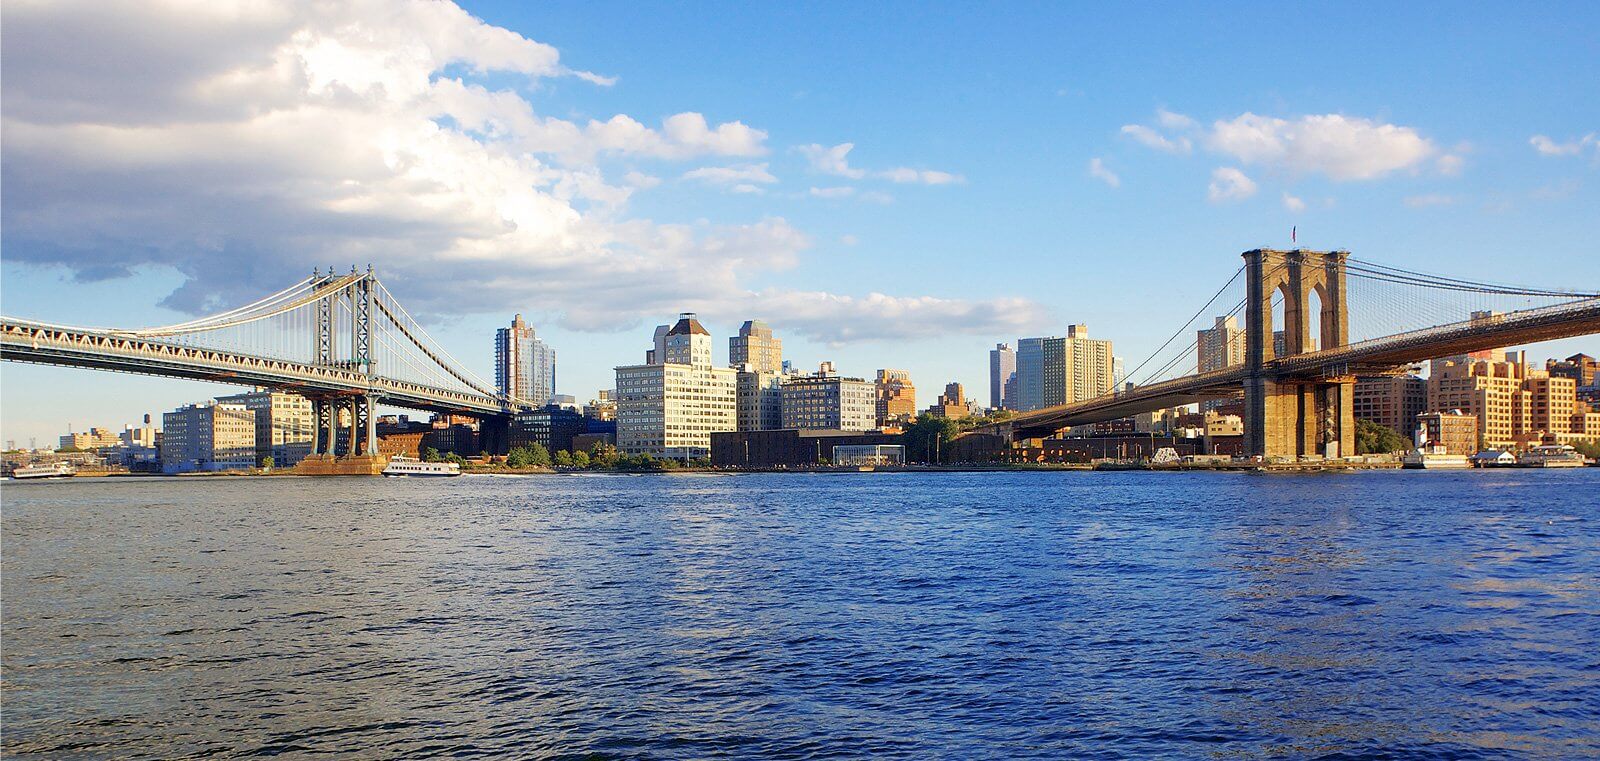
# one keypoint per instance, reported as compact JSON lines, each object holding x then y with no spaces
{"x":849,"y":240}
{"x":1154,"y":139}
{"x":1547,"y":147}
{"x":1173,"y":121}
{"x":1293,"y":203}
{"x":641,"y":180}
{"x":745,"y":187}
{"x":1229,"y":184}
{"x":1340,"y":147}
{"x":742,"y":174}
{"x":834,"y":192}
{"x":1449,"y":165}
{"x":243,"y":145}
{"x":835,"y":161}
{"x":1098,"y":170}
{"x":1431,"y":199}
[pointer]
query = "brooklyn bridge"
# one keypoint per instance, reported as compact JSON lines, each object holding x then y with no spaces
{"x":1314,"y":322}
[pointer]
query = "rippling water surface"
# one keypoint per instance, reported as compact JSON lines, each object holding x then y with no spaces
{"x":1045,"y":615}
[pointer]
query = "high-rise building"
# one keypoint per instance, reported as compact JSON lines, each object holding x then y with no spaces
{"x":670,"y":408}
{"x":825,"y":400}
{"x":285,"y":425}
{"x":1581,"y":368}
{"x":760,"y":399}
{"x":755,"y":346}
{"x":524,"y":365}
{"x":1220,"y":347}
{"x":1553,"y":401}
{"x":896,"y":398}
{"x":1002,"y":365}
{"x":211,"y":436}
{"x":1392,"y":402}
{"x":1053,"y":371}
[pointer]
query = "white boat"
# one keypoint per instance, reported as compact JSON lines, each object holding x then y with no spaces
{"x":1494,"y":458}
{"x":1551,"y":456}
{"x":401,"y":465}
{"x":1434,"y":457}
{"x":57,"y":470}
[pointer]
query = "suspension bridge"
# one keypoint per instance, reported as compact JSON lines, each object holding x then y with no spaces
{"x":346,"y":343}
{"x":1341,"y":318}
{"x":342,"y":341}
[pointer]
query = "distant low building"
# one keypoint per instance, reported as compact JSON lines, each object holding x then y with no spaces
{"x":285,"y":425}
{"x":787,"y":448}
{"x":1456,"y":431}
{"x":94,"y":438}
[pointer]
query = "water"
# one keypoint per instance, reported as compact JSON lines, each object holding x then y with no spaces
{"x":1005,"y":615}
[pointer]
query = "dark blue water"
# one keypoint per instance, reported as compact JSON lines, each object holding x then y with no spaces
{"x":1004,"y":615}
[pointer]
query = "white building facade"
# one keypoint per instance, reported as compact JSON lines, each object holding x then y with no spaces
{"x":670,"y":407}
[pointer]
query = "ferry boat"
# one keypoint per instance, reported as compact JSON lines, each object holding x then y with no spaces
{"x":1433,"y":457}
{"x":57,"y":470}
{"x":1551,"y":456}
{"x":402,"y":465}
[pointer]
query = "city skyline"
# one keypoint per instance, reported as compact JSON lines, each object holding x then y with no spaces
{"x":975,"y":244}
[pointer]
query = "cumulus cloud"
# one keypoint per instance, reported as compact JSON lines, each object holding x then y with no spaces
{"x":1229,"y":184}
{"x":243,"y":145}
{"x":1098,"y":170}
{"x":1340,"y":147}
{"x":1547,"y":147}
{"x":835,"y":160}
{"x":1293,"y":203}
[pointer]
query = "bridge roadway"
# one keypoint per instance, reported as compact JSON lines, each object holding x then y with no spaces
{"x":1376,"y":356}
{"x":41,"y":343}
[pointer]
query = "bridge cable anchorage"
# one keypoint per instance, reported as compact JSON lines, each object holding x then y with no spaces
{"x":1185,"y":327}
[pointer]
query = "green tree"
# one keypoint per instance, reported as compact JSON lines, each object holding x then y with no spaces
{"x":1588,"y":448}
{"x":267,"y":462}
{"x":538,"y":456}
{"x":517,"y":458}
{"x":455,"y":458}
{"x":603,"y":456}
{"x":926,"y":438}
{"x":1372,"y":438}
{"x":580,"y":459}
{"x":430,"y":455}
{"x":563,"y":459}
{"x":69,"y":450}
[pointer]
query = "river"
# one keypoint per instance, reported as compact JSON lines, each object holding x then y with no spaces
{"x":909,"y":615}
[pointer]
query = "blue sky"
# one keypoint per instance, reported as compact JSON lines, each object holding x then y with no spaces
{"x":1410,"y":136}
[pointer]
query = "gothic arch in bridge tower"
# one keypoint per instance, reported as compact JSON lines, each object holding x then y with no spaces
{"x":1285,"y":415}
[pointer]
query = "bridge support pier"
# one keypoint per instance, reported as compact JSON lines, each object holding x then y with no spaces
{"x":1293,"y":419}
{"x":494,"y":434}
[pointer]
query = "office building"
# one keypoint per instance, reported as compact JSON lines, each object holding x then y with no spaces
{"x":524,"y":366}
{"x":551,"y":426}
{"x":760,"y":398}
{"x":1392,"y":402}
{"x":825,"y":400}
{"x":1492,"y":392}
{"x":602,"y":407}
{"x":1455,"y":430}
{"x":755,"y":346}
{"x":285,"y":425}
{"x":1052,"y":370}
{"x":211,"y":436}
{"x":1002,"y":366}
{"x":671,"y":408}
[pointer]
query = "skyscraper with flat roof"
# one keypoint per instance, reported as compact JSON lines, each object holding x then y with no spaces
{"x":1002,"y":364}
